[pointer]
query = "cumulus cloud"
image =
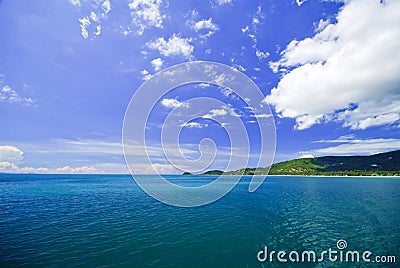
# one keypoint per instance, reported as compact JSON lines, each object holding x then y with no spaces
{"x":146,"y":75}
{"x":174,"y":46}
{"x":205,"y":27}
{"x":321,"y":25}
{"x":348,"y":71}
{"x":7,"y":167}
{"x":11,"y":158}
{"x":205,"y":24}
{"x":10,"y":154}
{"x":173,"y":103}
{"x":157,"y":64}
{"x":7,"y":94}
{"x":146,"y":14}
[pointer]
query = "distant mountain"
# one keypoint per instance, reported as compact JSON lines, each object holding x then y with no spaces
{"x":377,"y":164}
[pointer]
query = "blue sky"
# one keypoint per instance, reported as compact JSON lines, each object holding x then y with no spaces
{"x":68,"y":69}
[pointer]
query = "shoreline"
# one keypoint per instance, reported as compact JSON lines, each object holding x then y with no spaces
{"x":199,"y":175}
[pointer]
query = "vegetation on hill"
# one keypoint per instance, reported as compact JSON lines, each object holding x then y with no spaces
{"x":386,"y":164}
{"x":214,"y":172}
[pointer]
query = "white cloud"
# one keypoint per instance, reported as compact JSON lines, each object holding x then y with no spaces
{"x":223,"y":2}
{"x":300,"y":2}
{"x":239,"y":67}
{"x":146,"y":14}
{"x":93,"y":17}
{"x":203,"y":85}
{"x":157,"y":63}
{"x":257,"y":18}
{"x":90,"y":24}
{"x":98,"y":30}
{"x":84,"y":23}
{"x":194,"y":125}
{"x":7,"y":94}
{"x":106,"y":6}
{"x":10,"y":154}
{"x":11,"y":157}
{"x":261,"y":54}
{"x":76,"y":3}
{"x":146,"y":75}
{"x":321,"y":25}
{"x":7,"y":167}
{"x":348,"y":71}
{"x":205,"y":27}
{"x":358,"y":147}
{"x":307,"y":156}
{"x":205,"y":24}
{"x":70,"y":170}
{"x":173,"y":103}
{"x":156,"y":168}
{"x":215,"y":112}
{"x":262,"y":115}
{"x":174,"y":46}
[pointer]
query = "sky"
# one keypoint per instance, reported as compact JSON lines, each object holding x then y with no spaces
{"x":329,"y":71}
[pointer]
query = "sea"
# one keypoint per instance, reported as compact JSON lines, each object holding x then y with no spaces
{"x":109,"y":221}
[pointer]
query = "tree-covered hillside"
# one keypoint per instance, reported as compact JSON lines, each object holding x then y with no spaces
{"x":378,"y":164}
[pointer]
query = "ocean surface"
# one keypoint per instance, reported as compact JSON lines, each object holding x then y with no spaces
{"x":108,"y":221}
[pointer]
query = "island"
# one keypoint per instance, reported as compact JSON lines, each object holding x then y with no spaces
{"x":382,"y":164}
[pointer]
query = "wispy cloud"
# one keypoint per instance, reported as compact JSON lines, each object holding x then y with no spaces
{"x":349,"y":145}
{"x":194,"y":125}
{"x":7,"y":94}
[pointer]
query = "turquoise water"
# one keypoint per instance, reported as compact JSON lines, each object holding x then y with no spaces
{"x":108,"y":221}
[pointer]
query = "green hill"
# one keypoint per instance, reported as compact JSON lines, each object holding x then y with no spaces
{"x":377,"y":164}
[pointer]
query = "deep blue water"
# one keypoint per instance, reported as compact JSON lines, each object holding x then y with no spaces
{"x":108,"y":221}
